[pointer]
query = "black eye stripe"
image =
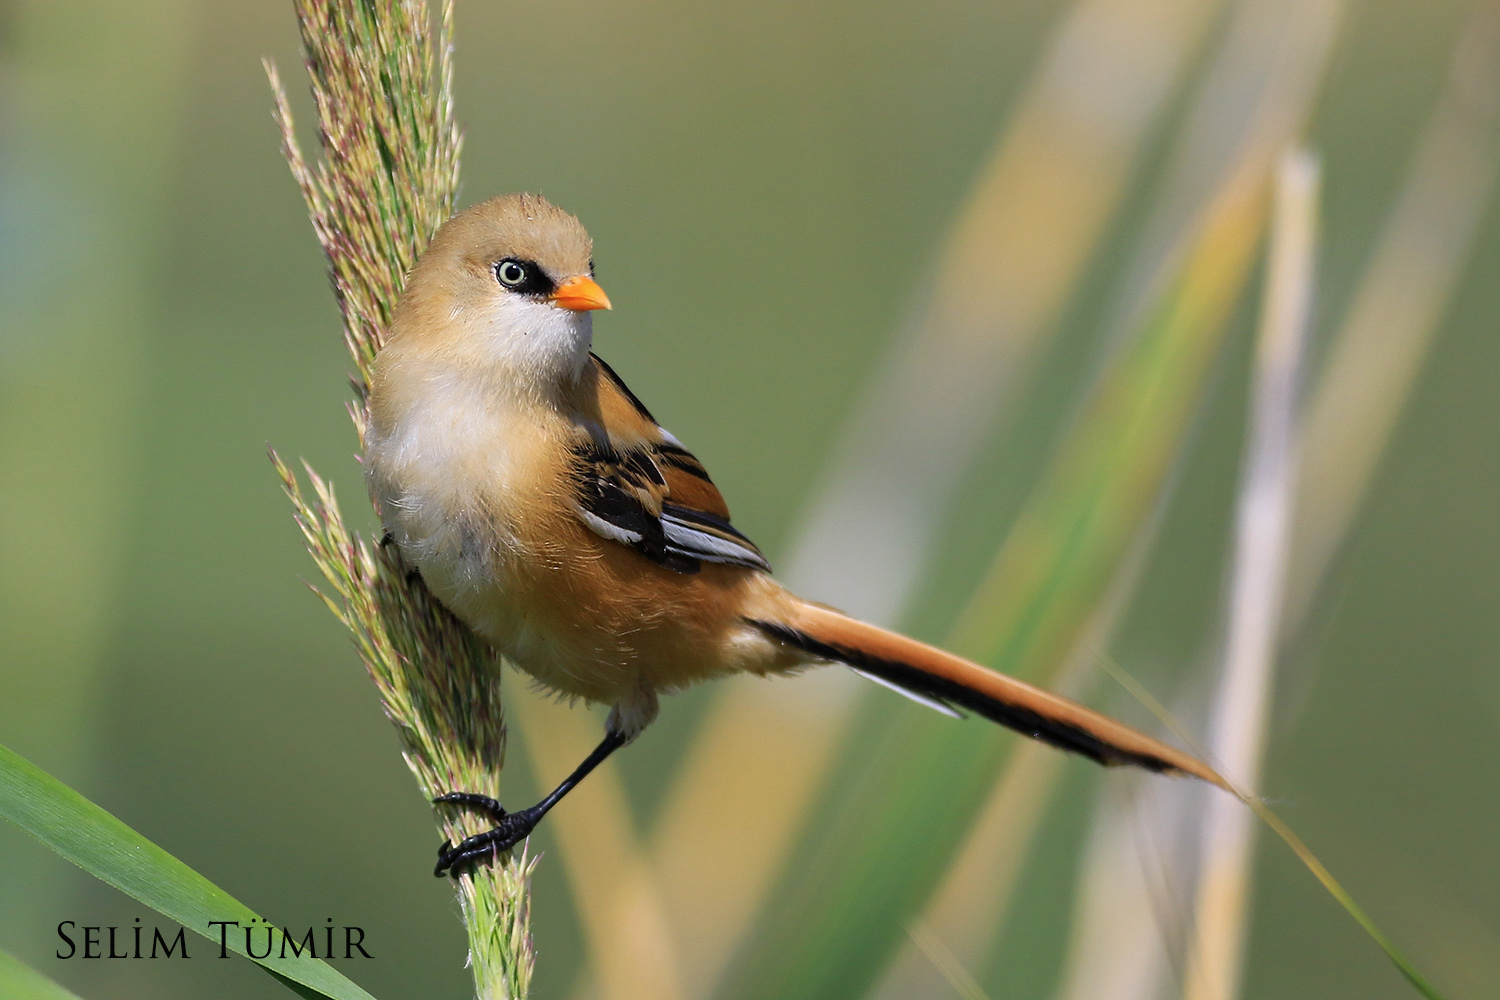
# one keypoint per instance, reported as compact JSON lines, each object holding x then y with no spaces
{"x":532,"y":281}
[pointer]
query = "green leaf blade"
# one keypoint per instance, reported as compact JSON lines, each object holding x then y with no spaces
{"x":19,"y":981}
{"x":99,"y":843}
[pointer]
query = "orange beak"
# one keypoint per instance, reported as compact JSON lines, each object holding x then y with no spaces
{"x":580,"y":294}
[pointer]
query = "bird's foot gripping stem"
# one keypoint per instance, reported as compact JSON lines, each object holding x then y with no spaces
{"x":510,"y":829}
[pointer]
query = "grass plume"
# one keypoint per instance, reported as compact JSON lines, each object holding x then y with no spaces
{"x":382,"y":84}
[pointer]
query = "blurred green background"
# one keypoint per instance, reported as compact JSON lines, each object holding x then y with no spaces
{"x":769,"y":187}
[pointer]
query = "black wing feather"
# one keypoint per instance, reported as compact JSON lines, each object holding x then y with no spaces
{"x":624,"y":497}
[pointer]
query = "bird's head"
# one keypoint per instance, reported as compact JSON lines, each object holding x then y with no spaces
{"x":507,"y":285}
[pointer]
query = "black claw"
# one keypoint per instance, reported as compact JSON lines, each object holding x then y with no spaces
{"x":484,"y":802}
{"x":510,"y":831}
{"x":510,"y":827}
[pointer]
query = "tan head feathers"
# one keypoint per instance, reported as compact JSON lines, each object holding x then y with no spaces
{"x":525,"y":227}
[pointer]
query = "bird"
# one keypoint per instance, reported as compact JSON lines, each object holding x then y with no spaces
{"x":541,"y":502}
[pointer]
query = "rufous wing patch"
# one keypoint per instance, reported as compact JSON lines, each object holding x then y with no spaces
{"x":640,"y":487}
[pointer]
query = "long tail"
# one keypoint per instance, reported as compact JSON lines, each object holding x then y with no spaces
{"x":931,"y":675}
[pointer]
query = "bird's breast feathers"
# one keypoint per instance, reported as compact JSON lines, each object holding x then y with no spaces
{"x":445,"y":470}
{"x":562,"y":533}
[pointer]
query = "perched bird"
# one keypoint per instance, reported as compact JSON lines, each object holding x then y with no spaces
{"x":543,"y":504}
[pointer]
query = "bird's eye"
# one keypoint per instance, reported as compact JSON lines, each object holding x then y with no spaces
{"x":510,"y":273}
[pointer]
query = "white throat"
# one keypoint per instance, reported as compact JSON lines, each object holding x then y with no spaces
{"x":540,"y":344}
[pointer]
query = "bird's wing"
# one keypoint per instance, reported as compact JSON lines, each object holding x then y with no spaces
{"x":642,"y":488}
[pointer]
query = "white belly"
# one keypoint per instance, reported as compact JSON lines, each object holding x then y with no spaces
{"x":443,"y":480}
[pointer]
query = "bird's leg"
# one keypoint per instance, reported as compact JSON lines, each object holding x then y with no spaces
{"x":511,"y":827}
